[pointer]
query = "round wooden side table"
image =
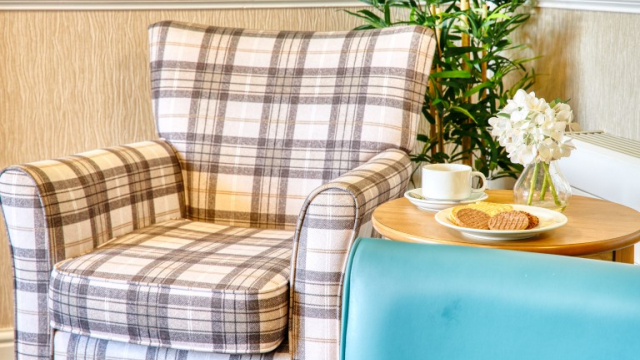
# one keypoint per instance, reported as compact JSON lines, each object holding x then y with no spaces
{"x":596,"y":229}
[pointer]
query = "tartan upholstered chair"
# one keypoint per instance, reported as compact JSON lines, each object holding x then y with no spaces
{"x":228,"y":237}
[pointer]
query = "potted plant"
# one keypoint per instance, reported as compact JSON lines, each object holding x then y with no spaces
{"x":468,"y":82}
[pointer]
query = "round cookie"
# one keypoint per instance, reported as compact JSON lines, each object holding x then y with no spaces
{"x":472,"y":218}
{"x":533,"y":220}
{"x":454,"y":212}
{"x":510,"y":220}
{"x":487,"y":207}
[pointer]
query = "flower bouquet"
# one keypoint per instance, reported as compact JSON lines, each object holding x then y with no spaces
{"x":532,"y":132}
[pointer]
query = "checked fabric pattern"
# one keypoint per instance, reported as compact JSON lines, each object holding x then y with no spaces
{"x":180,"y":284}
{"x":260,"y":119}
{"x":58,"y":209}
{"x":331,"y":219}
{"x":299,"y":133}
{"x":73,"y":347}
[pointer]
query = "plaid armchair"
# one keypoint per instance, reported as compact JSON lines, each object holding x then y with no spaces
{"x":228,"y":237}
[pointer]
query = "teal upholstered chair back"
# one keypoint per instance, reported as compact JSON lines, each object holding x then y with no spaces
{"x":415,"y":301}
{"x":260,"y":119}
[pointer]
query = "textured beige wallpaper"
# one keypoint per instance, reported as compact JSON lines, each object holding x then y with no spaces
{"x":591,"y":58}
{"x":74,"y":81}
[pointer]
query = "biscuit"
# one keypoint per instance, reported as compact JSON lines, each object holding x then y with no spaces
{"x":490,"y":208}
{"x":472,"y":218}
{"x":510,"y":220}
{"x":454,"y":211}
{"x":534,"y":221}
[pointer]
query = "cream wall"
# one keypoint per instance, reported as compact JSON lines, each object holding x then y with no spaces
{"x":592,"y":58}
{"x":74,"y":81}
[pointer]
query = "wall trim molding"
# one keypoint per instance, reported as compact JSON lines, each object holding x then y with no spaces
{"x":6,"y":343}
{"x":170,"y":4}
{"x":622,"y":6}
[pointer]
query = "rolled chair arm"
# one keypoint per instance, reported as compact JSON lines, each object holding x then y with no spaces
{"x":58,"y":209}
{"x":330,"y":220}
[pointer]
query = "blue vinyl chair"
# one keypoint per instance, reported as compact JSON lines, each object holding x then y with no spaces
{"x":416,"y":301}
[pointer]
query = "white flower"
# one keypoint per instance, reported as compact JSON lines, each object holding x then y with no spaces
{"x":520,"y":98}
{"x":563,"y":112}
{"x":565,"y":148}
{"x":531,"y":130}
{"x":511,"y":107}
{"x":524,"y":154}
{"x":536,"y":104}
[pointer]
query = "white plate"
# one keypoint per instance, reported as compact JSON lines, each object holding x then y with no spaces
{"x":549,"y":220}
{"x":416,"y":198}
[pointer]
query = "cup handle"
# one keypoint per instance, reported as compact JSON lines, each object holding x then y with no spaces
{"x":484,"y":181}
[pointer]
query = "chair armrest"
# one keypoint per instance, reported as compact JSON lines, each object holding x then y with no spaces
{"x":330,"y":220}
{"x":58,"y":209}
{"x":415,"y":301}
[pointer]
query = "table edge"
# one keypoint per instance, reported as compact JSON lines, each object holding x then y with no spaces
{"x":576,"y":249}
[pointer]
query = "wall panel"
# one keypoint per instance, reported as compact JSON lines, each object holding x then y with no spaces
{"x":591,"y":58}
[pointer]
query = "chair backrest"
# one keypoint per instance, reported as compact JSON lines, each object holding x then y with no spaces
{"x":259,"y":119}
{"x":437,"y":302}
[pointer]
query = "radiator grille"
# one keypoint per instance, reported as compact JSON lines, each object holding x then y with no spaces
{"x":614,"y":143}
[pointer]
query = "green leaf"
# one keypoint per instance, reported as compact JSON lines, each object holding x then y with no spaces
{"x":522,"y":61}
{"x":370,"y":14}
{"x":387,"y":13}
{"x":452,"y":74}
{"x":462,"y":111}
{"x":477,"y":88}
{"x":462,"y":50}
{"x":364,"y":27}
{"x":496,"y":16}
{"x":369,"y":17}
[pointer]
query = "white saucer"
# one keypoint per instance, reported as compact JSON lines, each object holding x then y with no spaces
{"x":416,"y":198}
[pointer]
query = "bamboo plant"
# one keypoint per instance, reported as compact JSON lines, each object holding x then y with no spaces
{"x":468,"y":82}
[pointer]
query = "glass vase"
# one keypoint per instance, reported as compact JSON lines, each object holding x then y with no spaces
{"x":542,"y":184}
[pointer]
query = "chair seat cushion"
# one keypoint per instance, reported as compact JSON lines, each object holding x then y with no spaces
{"x":180,"y":284}
{"x":77,"y":347}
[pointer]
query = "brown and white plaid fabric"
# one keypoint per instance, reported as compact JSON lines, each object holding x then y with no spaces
{"x":77,"y":347}
{"x":62,"y":208}
{"x":260,"y":119}
{"x":180,"y":284}
{"x":331,"y":219}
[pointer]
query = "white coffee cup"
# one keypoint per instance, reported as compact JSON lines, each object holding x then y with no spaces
{"x":449,"y":181}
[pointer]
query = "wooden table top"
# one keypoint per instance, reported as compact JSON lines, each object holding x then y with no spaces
{"x":594,"y":226}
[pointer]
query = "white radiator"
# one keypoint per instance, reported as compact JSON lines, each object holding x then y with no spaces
{"x":606,"y":167}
